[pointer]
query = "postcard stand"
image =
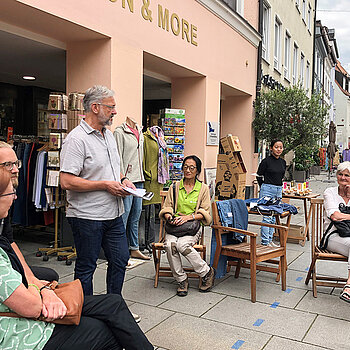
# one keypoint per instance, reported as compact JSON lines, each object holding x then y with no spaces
{"x":58,"y":126}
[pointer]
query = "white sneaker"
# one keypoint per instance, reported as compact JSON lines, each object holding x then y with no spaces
{"x":274,"y":245}
{"x":136,"y":317}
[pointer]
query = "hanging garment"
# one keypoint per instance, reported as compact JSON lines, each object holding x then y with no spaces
{"x":150,"y":168}
{"x":163,"y":161}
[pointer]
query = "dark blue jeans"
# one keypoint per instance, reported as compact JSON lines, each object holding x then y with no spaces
{"x":89,"y":237}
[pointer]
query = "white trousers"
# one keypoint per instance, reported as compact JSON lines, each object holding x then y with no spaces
{"x":339,"y":245}
{"x":184,"y":245}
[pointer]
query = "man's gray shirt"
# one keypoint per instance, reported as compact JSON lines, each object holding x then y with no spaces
{"x":89,"y":155}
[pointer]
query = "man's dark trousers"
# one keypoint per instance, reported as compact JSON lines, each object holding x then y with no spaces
{"x":89,"y":237}
{"x":106,"y":323}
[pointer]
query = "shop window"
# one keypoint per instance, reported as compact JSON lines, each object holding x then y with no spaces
{"x":277,"y":51}
{"x":236,"y":5}
{"x":302,"y":64}
{"x":307,"y":76}
{"x":266,"y":31}
{"x":295,"y":64}
{"x":309,"y":18}
{"x":286,"y":69}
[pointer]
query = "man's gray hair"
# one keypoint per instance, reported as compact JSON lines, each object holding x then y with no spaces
{"x":3,"y":144}
{"x":96,"y":94}
{"x":343,"y":166}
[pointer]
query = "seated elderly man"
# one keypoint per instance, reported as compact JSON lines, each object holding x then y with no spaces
{"x":106,"y":322}
{"x":10,"y":164}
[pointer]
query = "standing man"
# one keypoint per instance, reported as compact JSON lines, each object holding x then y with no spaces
{"x":90,"y":172}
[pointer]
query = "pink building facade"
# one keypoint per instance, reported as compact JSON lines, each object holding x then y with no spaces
{"x":204,"y":51}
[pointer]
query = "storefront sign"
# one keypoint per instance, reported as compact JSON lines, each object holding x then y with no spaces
{"x":171,"y":22}
{"x":271,"y":83}
{"x":213,"y":133}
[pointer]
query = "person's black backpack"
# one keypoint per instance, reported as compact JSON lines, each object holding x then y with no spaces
{"x":341,"y":227}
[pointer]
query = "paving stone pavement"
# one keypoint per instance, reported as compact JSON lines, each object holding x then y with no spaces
{"x":225,"y":318}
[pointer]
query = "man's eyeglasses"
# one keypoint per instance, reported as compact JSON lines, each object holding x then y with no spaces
{"x":190,"y":168}
{"x":9,"y":165}
{"x":108,"y":106}
{"x":9,"y":194}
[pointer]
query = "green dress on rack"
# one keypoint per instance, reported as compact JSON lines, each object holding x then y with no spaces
{"x":150,"y":167}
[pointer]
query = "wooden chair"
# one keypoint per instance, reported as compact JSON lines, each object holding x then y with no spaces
{"x":251,"y":251}
{"x":158,"y":248}
{"x":317,"y":212}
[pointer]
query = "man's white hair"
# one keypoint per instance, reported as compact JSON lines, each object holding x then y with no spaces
{"x":4,"y":144}
{"x":96,"y":94}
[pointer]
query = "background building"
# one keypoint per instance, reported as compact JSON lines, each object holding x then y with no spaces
{"x":197,"y":55}
{"x":342,"y":103}
{"x":325,"y":60}
{"x":287,"y":45}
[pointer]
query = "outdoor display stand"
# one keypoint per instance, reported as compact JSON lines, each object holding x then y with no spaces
{"x":58,"y":125}
{"x":299,"y":233}
{"x":173,"y":125}
{"x":230,"y":171}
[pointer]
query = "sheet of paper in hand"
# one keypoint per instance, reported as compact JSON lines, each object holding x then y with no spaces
{"x":140,"y":192}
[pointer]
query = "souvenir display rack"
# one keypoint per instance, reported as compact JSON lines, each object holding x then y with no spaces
{"x":173,"y":125}
{"x":58,"y":125}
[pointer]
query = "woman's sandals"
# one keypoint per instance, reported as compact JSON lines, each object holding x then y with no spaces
{"x":345,"y":295}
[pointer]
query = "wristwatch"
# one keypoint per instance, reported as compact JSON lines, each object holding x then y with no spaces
{"x":45,"y":287}
{"x":193,"y":217}
{"x":122,"y":179}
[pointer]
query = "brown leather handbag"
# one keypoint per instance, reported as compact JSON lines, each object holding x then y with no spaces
{"x":71,"y":294}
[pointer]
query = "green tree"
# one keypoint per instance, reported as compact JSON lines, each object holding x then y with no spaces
{"x":293,"y":117}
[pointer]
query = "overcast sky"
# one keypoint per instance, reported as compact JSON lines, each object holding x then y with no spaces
{"x":336,"y":17}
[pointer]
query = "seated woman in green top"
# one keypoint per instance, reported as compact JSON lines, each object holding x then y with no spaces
{"x":192,"y":203}
{"x":106,"y":321}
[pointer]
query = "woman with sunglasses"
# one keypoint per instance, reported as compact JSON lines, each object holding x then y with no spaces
{"x":192,"y":202}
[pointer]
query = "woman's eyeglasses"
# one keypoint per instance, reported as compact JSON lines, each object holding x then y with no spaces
{"x":190,"y":168}
{"x":9,"y":165}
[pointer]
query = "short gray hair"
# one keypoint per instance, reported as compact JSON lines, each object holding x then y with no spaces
{"x":343,"y":166}
{"x":96,"y":94}
{"x":3,"y":144}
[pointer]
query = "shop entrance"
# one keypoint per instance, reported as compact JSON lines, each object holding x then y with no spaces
{"x":29,"y":71}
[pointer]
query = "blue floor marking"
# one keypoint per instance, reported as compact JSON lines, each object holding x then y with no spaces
{"x":274,"y":305}
{"x":258,"y":322}
{"x":238,"y":344}
{"x":299,"y":279}
{"x":288,"y":290}
{"x":307,"y":269}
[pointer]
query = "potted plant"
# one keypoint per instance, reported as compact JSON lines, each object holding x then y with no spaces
{"x":316,"y":167}
{"x":293,"y":117}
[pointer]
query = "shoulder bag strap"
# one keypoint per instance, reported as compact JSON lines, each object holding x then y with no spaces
{"x":174,"y":196}
{"x":326,"y":235}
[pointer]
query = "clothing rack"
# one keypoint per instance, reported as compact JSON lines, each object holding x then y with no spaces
{"x":30,"y":138}
{"x":63,"y":253}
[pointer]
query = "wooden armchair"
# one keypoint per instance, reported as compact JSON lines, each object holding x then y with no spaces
{"x":251,"y":251}
{"x":158,"y":248}
{"x":317,"y":253}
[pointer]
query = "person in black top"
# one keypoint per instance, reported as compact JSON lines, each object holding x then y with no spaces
{"x":270,"y":174}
